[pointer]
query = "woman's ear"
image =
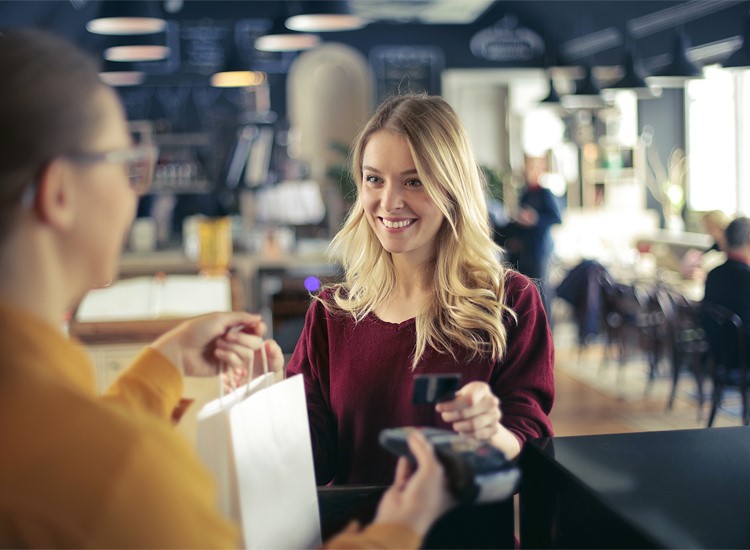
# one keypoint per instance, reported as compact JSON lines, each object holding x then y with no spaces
{"x":54,"y":200}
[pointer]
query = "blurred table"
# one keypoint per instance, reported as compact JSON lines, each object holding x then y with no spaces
{"x":669,"y":489}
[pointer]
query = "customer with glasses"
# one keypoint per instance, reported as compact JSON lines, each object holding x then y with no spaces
{"x":78,"y":470}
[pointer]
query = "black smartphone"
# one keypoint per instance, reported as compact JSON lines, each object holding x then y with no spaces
{"x":434,"y":388}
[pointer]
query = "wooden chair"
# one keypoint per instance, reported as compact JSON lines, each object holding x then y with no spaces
{"x":653,"y":326}
{"x":726,"y":338}
{"x":635,"y":323}
{"x":688,"y":345}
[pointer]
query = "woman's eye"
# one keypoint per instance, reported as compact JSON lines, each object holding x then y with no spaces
{"x":372,"y":179}
{"x":414,"y":183}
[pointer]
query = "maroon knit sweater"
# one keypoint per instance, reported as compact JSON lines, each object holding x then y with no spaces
{"x":358,"y":380}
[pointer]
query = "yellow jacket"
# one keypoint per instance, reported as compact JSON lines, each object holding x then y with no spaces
{"x":81,"y":470}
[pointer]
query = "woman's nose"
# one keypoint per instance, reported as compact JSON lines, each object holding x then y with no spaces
{"x":392,"y":199}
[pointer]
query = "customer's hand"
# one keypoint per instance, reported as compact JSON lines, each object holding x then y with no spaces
{"x":202,"y":346}
{"x":527,"y":217}
{"x":418,"y":498}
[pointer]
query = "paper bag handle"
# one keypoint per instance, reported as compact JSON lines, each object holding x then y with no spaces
{"x":225,"y":368}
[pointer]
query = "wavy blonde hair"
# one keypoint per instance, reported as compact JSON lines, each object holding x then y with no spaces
{"x":467,"y":277}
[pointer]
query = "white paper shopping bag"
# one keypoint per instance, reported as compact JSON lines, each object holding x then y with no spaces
{"x":256,"y":441}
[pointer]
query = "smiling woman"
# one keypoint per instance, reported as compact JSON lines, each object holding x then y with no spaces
{"x":424,"y":293}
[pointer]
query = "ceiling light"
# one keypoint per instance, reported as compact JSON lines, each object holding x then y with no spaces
{"x":552,"y":98}
{"x":122,"y":78}
{"x":324,"y":16}
{"x":680,"y":69}
{"x":237,"y":79}
{"x":740,"y":59}
{"x":325,"y":23}
{"x":136,"y":53}
{"x":290,"y":42}
{"x":126,"y":25}
{"x":586,"y":96}
{"x":633,"y":79}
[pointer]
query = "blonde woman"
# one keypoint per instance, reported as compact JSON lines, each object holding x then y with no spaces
{"x":424,"y":292}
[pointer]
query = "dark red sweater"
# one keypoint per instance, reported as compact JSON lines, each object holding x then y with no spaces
{"x":358,"y":380}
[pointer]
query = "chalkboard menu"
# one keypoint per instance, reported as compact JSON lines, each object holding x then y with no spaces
{"x":246,"y":31}
{"x":203,"y":45}
{"x":402,"y":69}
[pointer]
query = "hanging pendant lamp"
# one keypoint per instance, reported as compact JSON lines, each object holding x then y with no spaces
{"x":740,"y":59}
{"x":680,"y":69}
{"x":587,"y":94}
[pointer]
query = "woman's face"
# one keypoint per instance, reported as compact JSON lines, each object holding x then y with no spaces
{"x":106,"y":202}
{"x":398,"y":209}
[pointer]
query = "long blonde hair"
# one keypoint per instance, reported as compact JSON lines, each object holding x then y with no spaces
{"x":466,"y":275}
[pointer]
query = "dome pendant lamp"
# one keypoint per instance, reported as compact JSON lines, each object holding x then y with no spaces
{"x":680,"y":69}
{"x":740,"y":59}
{"x":324,"y":16}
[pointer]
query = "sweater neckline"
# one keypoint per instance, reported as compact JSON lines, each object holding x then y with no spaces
{"x":400,"y":325}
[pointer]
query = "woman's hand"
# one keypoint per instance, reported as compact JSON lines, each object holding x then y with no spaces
{"x":475,"y":412}
{"x":205,"y":345}
{"x":417,"y":498}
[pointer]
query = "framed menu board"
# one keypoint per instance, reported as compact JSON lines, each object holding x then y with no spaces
{"x":402,"y":69}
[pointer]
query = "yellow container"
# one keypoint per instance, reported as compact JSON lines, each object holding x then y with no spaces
{"x":215,"y":245}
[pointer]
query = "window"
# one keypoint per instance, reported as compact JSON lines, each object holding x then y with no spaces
{"x":712,"y":141}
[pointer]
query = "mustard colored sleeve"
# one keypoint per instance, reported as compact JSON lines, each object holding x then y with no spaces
{"x":151,"y":384}
{"x":163,"y":498}
{"x":380,"y":535}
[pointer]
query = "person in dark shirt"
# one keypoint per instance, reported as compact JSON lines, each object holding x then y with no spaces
{"x":423,"y":293}
{"x":729,"y":284}
{"x":538,"y":212}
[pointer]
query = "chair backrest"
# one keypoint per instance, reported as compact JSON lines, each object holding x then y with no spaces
{"x":687,"y":332}
{"x":726,"y":337}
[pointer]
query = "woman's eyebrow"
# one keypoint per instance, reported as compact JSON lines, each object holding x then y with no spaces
{"x":409,"y":172}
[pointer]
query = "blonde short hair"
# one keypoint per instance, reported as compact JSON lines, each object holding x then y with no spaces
{"x":716,"y":219}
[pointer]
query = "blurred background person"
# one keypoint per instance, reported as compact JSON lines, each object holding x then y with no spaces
{"x":538,"y":211}
{"x":729,"y":284}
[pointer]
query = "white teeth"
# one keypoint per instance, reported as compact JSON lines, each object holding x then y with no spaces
{"x":396,"y":225}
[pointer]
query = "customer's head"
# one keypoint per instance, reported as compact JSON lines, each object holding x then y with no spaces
{"x":738,"y":234}
{"x":534,"y":169}
{"x":715,"y":222}
{"x":446,"y":168}
{"x":57,"y":191}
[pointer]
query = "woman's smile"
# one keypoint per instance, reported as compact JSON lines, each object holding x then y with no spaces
{"x":396,"y":225}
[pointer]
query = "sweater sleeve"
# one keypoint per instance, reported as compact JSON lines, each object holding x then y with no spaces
{"x":150,"y":384}
{"x":311,"y":359}
{"x":161,"y":497}
{"x":374,"y":536}
{"x":524,"y":379}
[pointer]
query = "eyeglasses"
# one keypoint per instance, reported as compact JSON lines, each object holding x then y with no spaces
{"x":139,"y":162}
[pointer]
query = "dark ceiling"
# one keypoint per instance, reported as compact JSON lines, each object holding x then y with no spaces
{"x":206,"y":34}
{"x":585,"y":31}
